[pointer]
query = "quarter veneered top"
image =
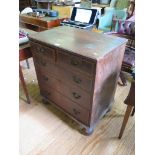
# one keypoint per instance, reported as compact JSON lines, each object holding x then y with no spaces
{"x":86,"y":43}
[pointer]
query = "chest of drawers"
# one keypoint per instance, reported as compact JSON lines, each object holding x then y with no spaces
{"x":77,"y":71}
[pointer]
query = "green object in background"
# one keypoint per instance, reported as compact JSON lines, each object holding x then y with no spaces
{"x":105,"y":21}
{"x":113,"y":3}
{"x":119,"y":14}
{"x":120,"y":10}
{"x":121,"y":4}
{"x":86,"y":4}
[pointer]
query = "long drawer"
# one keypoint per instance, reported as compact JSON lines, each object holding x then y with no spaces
{"x":73,"y":92}
{"x":63,"y":102}
{"x":69,"y":61}
{"x":43,"y":65}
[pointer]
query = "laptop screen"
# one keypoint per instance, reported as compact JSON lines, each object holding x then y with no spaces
{"x":83,"y":15}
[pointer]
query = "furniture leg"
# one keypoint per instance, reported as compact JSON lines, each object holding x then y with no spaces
{"x":27,"y":62}
{"x":133,"y":112}
{"x":23,"y":84}
{"x":126,"y":117}
{"x":87,"y":131}
{"x":123,"y":80}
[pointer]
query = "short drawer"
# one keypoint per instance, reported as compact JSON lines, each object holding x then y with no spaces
{"x":42,"y":63}
{"x":43,"y":51}
{"x":67,"y":105}
{"x":75,"y":62}
{"x":73,"y":92}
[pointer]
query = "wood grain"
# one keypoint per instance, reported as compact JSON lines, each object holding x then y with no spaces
{"x":104,"y":69}
{"x":44,"y":130}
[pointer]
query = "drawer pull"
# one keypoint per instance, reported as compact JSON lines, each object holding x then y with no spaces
{"x":74,"y":62}
{"x":40,"y":61}
{"x":42,"y":50}
{"x":75,"y":95}
{"x":76,"y":112}
{"x":38,"y":48}
{"x":77,"y":80}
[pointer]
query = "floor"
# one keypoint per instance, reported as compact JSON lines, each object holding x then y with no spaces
{"x":44,"y":130}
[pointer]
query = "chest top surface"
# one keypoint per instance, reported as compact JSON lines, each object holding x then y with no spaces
{"x":86,"y":43}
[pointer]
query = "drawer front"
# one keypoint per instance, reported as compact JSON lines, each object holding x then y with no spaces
{"x":75,"y":78}
{"x":74,"y":93}
{"x":67,"y":105}
{"x":41,"y":63}
{"x":68,"y":77}
{"x":43,"y":51}
{"x":75,"y":62}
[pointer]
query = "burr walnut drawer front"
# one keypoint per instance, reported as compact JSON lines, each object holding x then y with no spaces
{"x":75,"y":62}
{"x":74,"y":93}
{"x":43,"y":51}
{"x":67,"y":105}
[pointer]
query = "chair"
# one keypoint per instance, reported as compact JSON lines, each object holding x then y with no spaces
{"x":105,"y":22}
{"x":130,"y":110}
{"x":125,"y":29}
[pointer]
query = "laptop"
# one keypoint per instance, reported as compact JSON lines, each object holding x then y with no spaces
{"x":81,"y":18}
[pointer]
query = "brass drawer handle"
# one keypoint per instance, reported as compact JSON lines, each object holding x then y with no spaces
{"x":74,"y":62}
{"x":38,"y":48}
{"x":75,"y":95}
{"x":76,"y":112}
{"x":42,"y":50}
{"x":76,"y":79}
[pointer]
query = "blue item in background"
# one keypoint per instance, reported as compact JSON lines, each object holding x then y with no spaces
{"x":50,"y":13}
{"x":105,"y":21}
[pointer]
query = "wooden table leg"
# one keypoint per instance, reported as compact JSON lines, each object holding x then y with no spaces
{"x":126,"y":117}
{"x":23,"y":84}
{"x":133,"y":112}
{"x":27,"y":62}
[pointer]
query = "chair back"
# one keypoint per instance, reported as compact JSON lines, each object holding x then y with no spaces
{"x":105,"y":21}
{"x":121,"y":14}
{"x":124,"y":27}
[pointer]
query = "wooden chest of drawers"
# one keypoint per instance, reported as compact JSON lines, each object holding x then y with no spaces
{"x":77,"y":70}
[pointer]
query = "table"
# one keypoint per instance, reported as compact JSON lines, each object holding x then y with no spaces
{"x":78,"y":72}
{"x":39,"y":24}
{"x":24,"y":54}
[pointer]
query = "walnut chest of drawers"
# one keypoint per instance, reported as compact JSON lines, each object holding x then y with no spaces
{"x":77,"y":71}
